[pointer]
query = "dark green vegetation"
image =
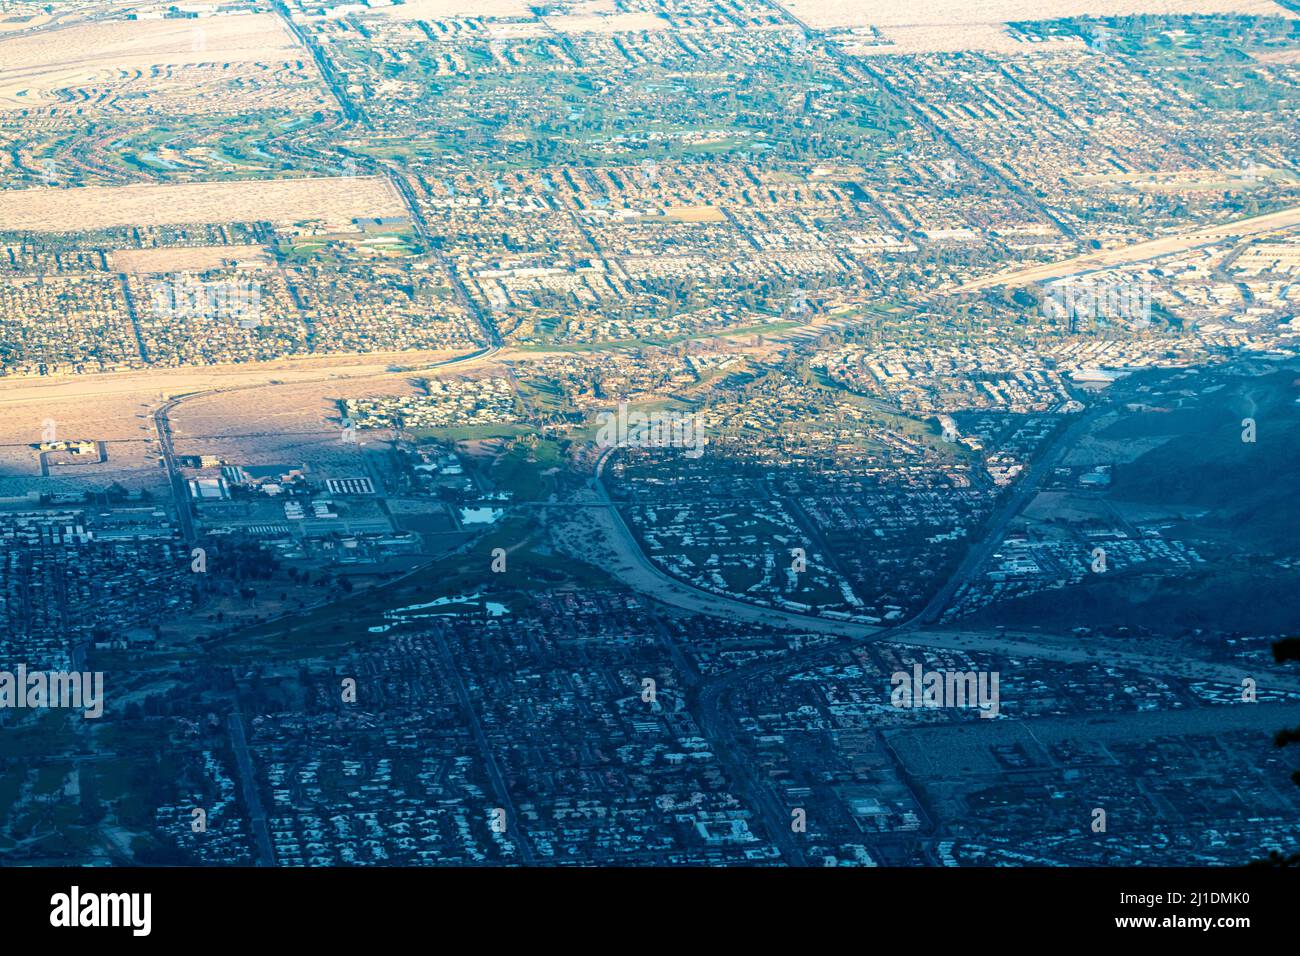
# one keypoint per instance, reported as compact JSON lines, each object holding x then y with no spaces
{"x":333,"y":629}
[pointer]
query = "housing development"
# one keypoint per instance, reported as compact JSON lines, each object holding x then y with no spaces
{"x":767,"y":433}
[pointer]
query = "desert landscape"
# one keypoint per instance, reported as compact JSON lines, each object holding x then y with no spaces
{"x":112,"y":55}
{"x":954,"y":25}
{"x":336,"y":200}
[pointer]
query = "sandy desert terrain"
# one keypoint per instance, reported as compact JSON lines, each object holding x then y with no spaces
{"x":955,"y":15}
{"x":121,"y":422}
{"x":607,"y":23}
{"x":591,"y":16}
{"x":278,"y":408}
{"x":188,"y":258}
{"x":331,"y":199}
{"x":955,"y":25}
{"x":442,"y":9}
{"x":988,"y":37}
{"x":34,"y":66}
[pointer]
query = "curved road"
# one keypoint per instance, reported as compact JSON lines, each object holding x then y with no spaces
{"x":631,"y":565}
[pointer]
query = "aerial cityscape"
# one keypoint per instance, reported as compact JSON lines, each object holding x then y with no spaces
{"x":634,"y":433}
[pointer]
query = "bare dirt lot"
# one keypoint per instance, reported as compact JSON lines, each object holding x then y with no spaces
{"x":695,"y":214}
{"x":270,"y":411}
{"x":188,"y":258}
{"x":990,"y":37}
{"x":610,"y":23}
{"x":331,"y":199}
{"x":120,"y":422}
{"x":444,"y":9}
